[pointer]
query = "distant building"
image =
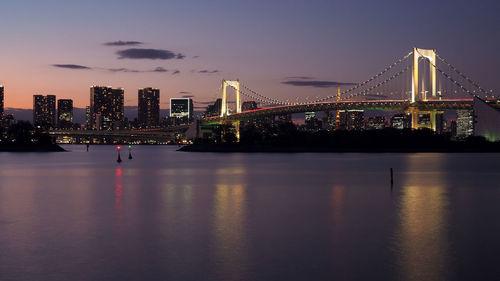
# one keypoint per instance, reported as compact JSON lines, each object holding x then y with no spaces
{"x":215,"y":109}
{"x":284,"y":118}
{"x":87,"y":118}
{"x":148,"y":110}
{"x":248,"y":105}
{"x":64,"y":113}
{"x":310,"y":115}
{"x":7,"y":120}
{"x":401,"y":121}
{"x":465,"y":123}
{"x":351,"y":120}
{"x":44,"y":110}
{"x":453,"y":128}
{"x":181,"y":108}
{"x":376,"y":123}
{"x":106,"y":108}
{"x":424,"y":120}
{"x":440,"y":123}
{"x":1,"y":101}
{"x":311,"y":122}
{"x":328,"y":120}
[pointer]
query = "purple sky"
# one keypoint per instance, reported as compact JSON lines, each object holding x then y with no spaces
{"x":188,"y":47}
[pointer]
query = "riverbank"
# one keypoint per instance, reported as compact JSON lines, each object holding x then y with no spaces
{"x":31,"y":148}
{"x":452,"y":147}
{"x":286,"y":138}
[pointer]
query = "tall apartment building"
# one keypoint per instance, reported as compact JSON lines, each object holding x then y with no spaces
{"x":1,"y":101}
{"x":465,"y":123}
{"x":181,"y":108}
{"x":64,"y":113}
{"x":148,"y":109}
{"x":106,"y":108}
{"x":44,"y":110}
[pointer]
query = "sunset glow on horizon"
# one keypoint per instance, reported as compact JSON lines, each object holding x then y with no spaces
{"x":187,"y":48}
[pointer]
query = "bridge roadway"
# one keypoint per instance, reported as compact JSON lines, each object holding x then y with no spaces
{"x":170,"y":133}
{"x":397,"y":105}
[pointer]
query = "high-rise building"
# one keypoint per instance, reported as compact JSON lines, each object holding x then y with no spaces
{"x":351,"y":120}
{"x":376,"y":123}
{"x":328,"y":120}
{"x":311,"y":122}
{"x":401,"y":121}
{"x":64,"y":113}
{"x":181,"y":108}
{"x":215,"y":109}
{"x":1,"y":101}
{"x":44,"y":110}
{"x":310,"y":115}
{"x":148,"y":110}
{"x":465,"y":123}
{"x":284,"y":118}
{"x":453,"y":128}
{"x":248,"y":105}
{"x":440,"y":123}
{"x":106,"y":108}
{"x":88,"y":125}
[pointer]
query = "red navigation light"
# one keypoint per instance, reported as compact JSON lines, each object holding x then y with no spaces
{"x":118,"y":147}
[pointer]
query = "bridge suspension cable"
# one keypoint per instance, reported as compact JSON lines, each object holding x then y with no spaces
{"x":366,"y":89}
{"x":462,"y":75}
{"x":257,"y":96}
{"x":452,"y":80}
{"x":271,"y":100}
{"x":367,"y":81}
{"x":394,"y":76}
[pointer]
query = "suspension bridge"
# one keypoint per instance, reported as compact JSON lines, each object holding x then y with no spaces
{"x":420,"y":82}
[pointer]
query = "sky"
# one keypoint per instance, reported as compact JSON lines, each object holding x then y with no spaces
{"x":186,"y":48}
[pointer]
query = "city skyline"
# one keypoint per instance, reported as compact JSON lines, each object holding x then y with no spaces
{"x":313,"y":46}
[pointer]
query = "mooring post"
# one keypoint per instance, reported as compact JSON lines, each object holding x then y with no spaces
{"x":392,"y":177}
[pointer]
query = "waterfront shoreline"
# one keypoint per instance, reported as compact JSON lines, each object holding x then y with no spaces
{"x":31,"y":148}
{"x":234,"y":148}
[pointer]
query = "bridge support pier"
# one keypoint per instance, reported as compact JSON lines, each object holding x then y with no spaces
{"x":430,"y":117}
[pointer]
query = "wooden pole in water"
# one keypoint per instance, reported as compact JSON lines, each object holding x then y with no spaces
{"x":392,"y":177}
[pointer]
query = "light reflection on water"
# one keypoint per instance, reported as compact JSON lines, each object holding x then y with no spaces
{"x":189,"y":216}
{"x":423,"y":241}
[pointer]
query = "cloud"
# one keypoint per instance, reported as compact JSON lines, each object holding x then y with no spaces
{"x":195,"y":57}
{"x":184,"y":92}
{"x":152,"y":54}
{"x":209,"y":71}
{"x":315,"y":83}
{"x":123,"y":70}
{"x":188,"y":96}
{"x":176,"y":72}
{"x":299,"y":77}
{"x":159,"y":69}
{"x":71,"y":66}
{"x":123,"y":43}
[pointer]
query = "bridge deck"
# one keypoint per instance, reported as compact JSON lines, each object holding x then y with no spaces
{"x":398,"y":105}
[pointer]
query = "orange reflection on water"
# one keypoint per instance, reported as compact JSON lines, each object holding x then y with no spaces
{"x":337,"y":202}
{"x":229,"y":230}
{"x":423,"y":250}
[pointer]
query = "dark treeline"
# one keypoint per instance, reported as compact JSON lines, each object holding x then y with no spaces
{"x":23,"y":136}
{"x":287,"y":137}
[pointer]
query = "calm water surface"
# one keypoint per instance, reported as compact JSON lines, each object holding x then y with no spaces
{"x":168,"y":215}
